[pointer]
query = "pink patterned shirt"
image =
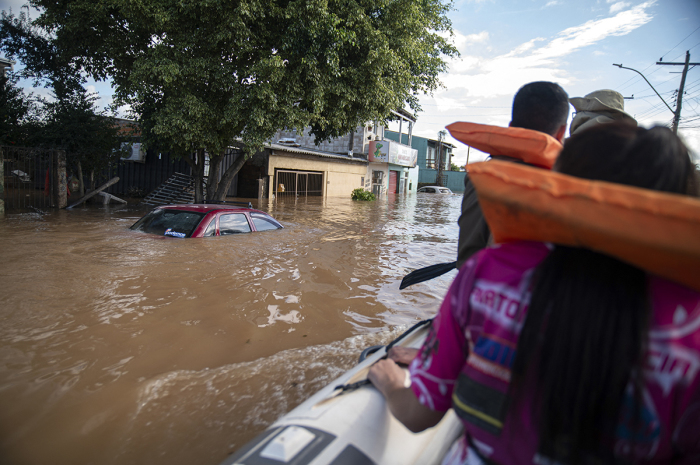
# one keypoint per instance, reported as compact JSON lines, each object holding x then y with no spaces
{"x":465,"y":362}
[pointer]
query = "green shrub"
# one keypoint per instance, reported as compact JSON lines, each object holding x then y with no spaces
{"x":361,"y":194}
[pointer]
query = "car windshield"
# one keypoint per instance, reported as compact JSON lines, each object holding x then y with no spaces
{"x":175,"y":223}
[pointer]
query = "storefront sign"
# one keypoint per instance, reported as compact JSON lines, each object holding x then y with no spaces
{"x":388,"y":151}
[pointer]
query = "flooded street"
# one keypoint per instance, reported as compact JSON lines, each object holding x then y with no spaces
{"x":118,"y":347}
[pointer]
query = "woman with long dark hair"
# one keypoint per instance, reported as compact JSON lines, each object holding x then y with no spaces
{"x":558,"y":354}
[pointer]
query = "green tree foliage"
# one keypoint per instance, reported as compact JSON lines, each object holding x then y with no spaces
{"x":200,"y":74}
{"x":361,"y":194}
{"x":454,"y":167}
{"x":17,"y":121}
{"x":70,"y":120}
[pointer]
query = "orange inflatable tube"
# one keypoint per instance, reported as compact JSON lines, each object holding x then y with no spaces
{"x":532,"y":147}
{"x":658,"y":232}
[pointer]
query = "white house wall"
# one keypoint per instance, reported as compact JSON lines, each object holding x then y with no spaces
{"x":413,"y":179}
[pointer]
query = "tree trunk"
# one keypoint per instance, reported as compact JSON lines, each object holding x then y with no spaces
{"x":213,"y":178}
{"x":198,"y":175}
{"x":81,"y":189}
{"x":227,"y":178}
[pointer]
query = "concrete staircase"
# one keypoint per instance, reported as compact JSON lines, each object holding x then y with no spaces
{"x":179,"y":188}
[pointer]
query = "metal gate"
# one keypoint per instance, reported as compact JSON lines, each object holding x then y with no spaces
{"x":298,"y":183}
{"x":29,"y":178}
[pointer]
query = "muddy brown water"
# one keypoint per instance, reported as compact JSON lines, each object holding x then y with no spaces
{"x":118,"y":347}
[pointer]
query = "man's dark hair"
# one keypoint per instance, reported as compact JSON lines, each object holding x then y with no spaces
{"x":540,"y":106}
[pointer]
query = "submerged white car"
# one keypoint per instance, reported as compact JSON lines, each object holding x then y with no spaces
{"x":434,"y":190}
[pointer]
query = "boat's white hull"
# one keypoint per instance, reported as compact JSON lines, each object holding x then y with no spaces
{"x":354,"y":427}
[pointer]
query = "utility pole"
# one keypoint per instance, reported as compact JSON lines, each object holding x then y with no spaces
{"x":439,"y":178}
{"x":679,"y":102}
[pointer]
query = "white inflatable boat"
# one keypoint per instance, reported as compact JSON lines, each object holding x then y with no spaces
{"x":347,"y":422}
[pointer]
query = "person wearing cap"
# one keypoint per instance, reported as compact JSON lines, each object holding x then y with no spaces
{"x":599,"y":107}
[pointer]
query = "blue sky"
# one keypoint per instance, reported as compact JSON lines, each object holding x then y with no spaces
{"x":507,"y":43}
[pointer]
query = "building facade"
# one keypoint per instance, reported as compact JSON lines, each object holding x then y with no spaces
{"x":430,"y":151}
{"x":392,"y":168}
{"x":389,"y":167}
{"x":282,"y":170}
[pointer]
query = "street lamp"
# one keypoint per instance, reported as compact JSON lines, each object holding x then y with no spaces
{"x":652,"y":87}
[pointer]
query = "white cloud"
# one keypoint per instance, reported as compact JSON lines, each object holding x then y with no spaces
{"x":552,"y":3}
{"x":460,"y":40}
{"x":465,"y":65}
{"x":480,"y":87}
{"x":504,"y":74}
{"x":618,"y":6}
{"x":481,"y":37}
{"x":692,"y":139}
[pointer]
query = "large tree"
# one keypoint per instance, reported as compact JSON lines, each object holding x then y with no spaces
{"x":16,"y":112}
{"x":70,"y":120}
{"x":201,"y":74}
{"x":91,"y":139}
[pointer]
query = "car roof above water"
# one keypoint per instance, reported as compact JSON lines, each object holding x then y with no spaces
{"x":206,"y":208}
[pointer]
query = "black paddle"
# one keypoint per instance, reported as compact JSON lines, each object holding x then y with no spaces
{"x":427,"y":273}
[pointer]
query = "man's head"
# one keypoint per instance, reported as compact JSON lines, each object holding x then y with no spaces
{"x":541,"y":106}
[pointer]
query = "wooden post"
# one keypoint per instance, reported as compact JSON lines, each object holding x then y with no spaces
{"x":107,"y":198}
{"x":104,"y":186}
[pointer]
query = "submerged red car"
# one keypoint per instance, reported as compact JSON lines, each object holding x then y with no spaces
{"x":204,"y":220}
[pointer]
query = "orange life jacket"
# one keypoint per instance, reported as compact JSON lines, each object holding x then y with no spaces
{"x":656,"y":231}
{"x":532,"y":147}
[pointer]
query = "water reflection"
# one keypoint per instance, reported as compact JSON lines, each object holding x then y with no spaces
{"x":118,"y":346}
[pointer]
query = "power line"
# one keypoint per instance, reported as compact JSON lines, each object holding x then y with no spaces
{"x":652,"y":116}
{"x":642,"y":97}
{"x":693,"y":86}
{"x":654,"y":109}
{"x":680,"y":43}
{"x":636,"y":78}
